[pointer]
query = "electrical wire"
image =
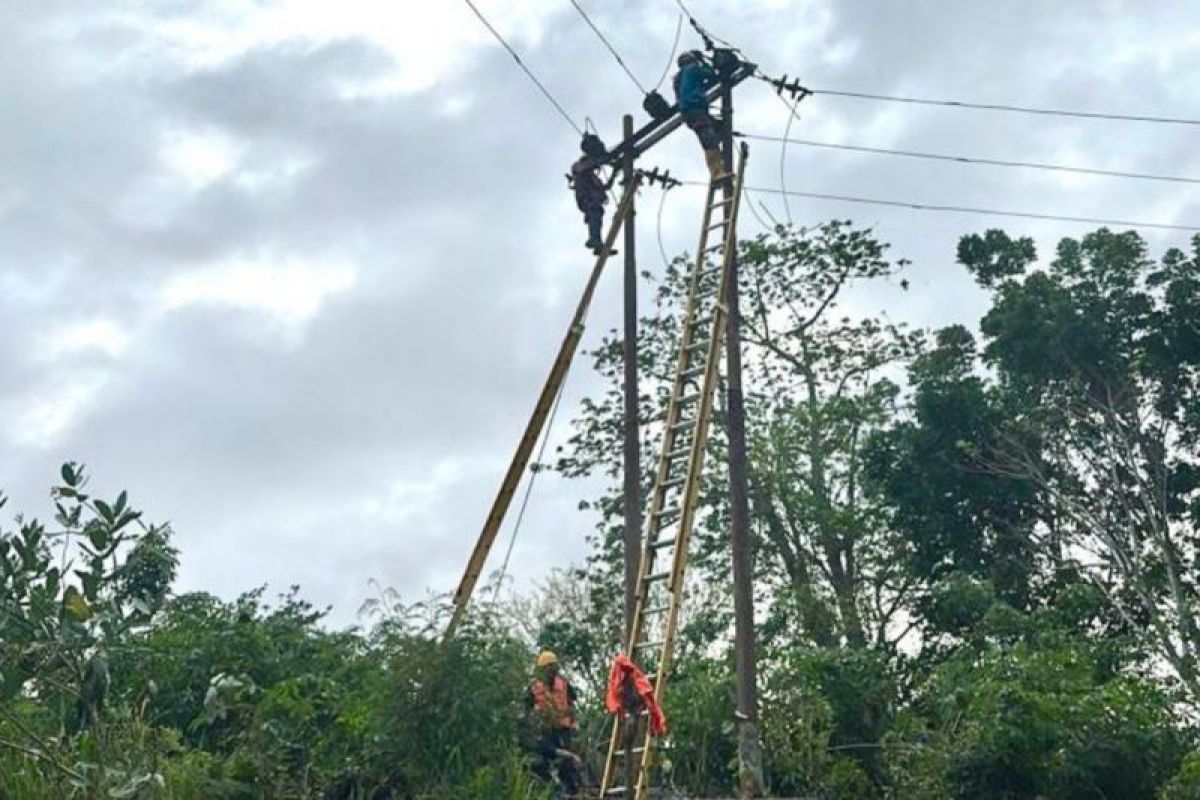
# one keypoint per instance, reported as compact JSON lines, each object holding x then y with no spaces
{"x":674,"y":50}
{"x":757,"y":216}
{"x":992,"y":162}
{"x":528,"y":491}
{"x":700,"y":28}
{"x":607,"y":44}
{"x":783,"y":155}
{"x":967,"y":209}
{"x":1051,"y":112}
{"x":527,"y":71}
{"x":662,"y":251}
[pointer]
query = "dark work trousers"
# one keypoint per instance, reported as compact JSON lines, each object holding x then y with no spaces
{"x":594,"y":217}
{"x":547,"y":760}
{"x":705,"y":127}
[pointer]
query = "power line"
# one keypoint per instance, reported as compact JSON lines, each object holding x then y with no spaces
{"x":700,"y":29}
{"x":967,"y":209}
{"x":993,"y":162}
{"x":793,"y":117}
{"x":674,"y":49}
{"x":1052,"y":112}
{"x":526,"y":69}
{"x":611,"y":49}
{"x":533,"y":473}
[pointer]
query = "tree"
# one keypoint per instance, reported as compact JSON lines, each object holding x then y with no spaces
{"x":1103,"y":349}
{"x":1079,"y":459}
{"x":816,"y":387}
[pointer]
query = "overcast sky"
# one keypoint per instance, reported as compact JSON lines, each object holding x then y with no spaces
{"x":292,"y":271}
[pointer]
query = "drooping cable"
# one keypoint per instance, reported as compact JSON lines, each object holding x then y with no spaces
{"x":792,"y":117}
{"x":525,"y":69}
{"x":754,"y":211}
{"x":674,"y":50}
{"x":993,"y":162}
{"x":662,"y":251}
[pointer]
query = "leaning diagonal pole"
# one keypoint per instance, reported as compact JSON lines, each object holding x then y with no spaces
{"x":533,"y":429}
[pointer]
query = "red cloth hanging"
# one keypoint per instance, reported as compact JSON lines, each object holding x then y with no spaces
{"x":623,"y":669}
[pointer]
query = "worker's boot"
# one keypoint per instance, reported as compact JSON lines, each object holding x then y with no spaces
{"x":716,"y":164}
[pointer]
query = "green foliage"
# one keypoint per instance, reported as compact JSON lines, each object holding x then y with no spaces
{"x":976,"y":583}
{"x":699,"y":708}
{"x":1185,"y":784}
{"x":1029,"y":722}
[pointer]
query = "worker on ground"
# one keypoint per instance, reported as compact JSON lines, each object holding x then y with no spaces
{"x":591,"y":194}
{"x":692,"y":83}
{"x":552,"y":702}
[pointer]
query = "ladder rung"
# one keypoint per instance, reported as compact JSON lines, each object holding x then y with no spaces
{"x":696,"y":345}
{"x":718,"y":224}
{"x":649,"y":643}
{"x":615,"y":791}
{"x":694,"y":372}
{"x":658,"y":576}
{"x":724,"y":202}
{"x":661,"y":543}
{"x":683,"y":451}
{"x":687,"y":423}
{"x":672,"y":483}
{"x":701,"y":321}
{"x":668,"y":513}
{"x":688,"y":399}
{"x":636,"y":750}
{"x":657,"y":610}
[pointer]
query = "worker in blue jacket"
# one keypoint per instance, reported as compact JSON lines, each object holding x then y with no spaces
{"x":692,"y":83}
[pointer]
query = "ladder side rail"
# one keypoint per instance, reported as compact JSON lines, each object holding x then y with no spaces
{"x":695,"y":470}
{"x":662,"y":474}
{"x":700,"y":440}
{"x":533,"y":429}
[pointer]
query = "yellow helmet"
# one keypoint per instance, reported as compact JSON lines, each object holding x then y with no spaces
{"x":545,"y":658}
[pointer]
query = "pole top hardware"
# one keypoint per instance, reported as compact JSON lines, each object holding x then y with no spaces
{"x":652,"y":176}
{"x":792,"y":87}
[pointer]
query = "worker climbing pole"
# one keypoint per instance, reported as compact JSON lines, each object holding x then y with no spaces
{"x":673,"y":500}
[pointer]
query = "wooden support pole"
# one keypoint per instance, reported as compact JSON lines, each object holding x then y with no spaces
{"x":750,"y":779}
{"x":633,"y":468}
{"x":533,"y":429}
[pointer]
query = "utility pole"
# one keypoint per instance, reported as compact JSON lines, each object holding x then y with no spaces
{"x":750,"y":779}
{"x":633,"y":468}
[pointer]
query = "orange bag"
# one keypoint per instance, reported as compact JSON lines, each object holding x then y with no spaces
{"x":623,"y":669}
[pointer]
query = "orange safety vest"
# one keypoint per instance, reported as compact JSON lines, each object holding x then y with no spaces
{"x":556,"y":702}
{"x":623,"y":669}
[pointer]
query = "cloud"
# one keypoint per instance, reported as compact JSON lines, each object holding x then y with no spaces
{"x":293,"y":273}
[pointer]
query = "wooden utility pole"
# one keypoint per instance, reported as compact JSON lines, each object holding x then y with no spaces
{"x":750,"y":779}
{"x":633,"y":468}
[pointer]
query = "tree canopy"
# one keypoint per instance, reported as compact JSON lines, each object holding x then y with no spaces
{"x":974,"y":557}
